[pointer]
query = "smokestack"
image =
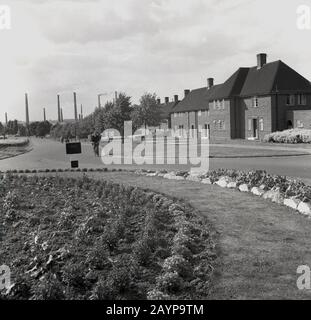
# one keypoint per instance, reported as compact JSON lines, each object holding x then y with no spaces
{"x":186,"y":91}
{"x":44,"y":115}
{"x":261,"y":60}
{"x":75,"y":105}
{"x":167,"y":100}
{"x":176,"y":98}
{"x":6,"y":119}
{"x":158,"y":101}
{"x":58,"y":108}
{"x":27,"y":109}
{"x":210,"y":83}
{"x":61,"y":115}
{"x":81,"y":111}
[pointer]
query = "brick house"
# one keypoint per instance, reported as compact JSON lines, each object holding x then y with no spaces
{"x":251,"y":103}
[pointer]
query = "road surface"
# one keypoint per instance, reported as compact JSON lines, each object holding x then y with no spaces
{"x":49,"y":154}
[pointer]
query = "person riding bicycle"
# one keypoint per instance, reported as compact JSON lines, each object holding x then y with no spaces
{"x":95,"y":138}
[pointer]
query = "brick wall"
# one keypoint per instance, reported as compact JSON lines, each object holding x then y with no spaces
{"x":215,"y":116}
{"x":301,"y":116}
{"x":263,"y":111}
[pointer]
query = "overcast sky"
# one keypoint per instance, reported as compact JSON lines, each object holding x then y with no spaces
{"x":134,"y":46}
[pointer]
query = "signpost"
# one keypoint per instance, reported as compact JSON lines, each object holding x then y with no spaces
{"x":73,"y":148}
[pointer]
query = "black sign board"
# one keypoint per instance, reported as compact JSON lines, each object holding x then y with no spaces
{"x":74,"y":164}
{"x":73,"y":147}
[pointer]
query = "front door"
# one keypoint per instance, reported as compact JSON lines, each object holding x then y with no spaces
{"x":255,"y":128}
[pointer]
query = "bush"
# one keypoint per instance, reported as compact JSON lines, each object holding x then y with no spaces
{"x":289,"y":136}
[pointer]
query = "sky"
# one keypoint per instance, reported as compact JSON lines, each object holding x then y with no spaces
{"x":137,"y":46}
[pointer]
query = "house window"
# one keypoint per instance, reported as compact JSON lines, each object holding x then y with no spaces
{"x":261,"y":128}
{"x":199,"y":113}
{"x":302,"y":99}
{"x":249,"y":127}
{"x":223,"y":104}
{"x":255,"y":102}
{"x":300,"y":124}
{"x":207,"y":113}
{"x":214,"y":104}
{"x":215,"y":124}
{"x":221,"y":124}
{"x":175,"y":115}
{"x":290,"y":100}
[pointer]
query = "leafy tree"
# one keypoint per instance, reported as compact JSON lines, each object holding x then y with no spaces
{"x":1,"y":129}
{"x":147,"y":113}
{"x":115,"y":114}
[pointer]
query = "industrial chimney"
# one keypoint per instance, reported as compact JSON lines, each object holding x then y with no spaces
{"x":75,"y":105}
{"x":167,"y":100}
{"x":186,"y":92}
{"x":58,"y":108}
{"x":44,"y":115}
{"x":158,"y":101}
{"x":27,"y":109}
{"x":6,"y":119}
{"x":176,"y":98}
{"x":261,"y":60}
{"x":210,"y":83}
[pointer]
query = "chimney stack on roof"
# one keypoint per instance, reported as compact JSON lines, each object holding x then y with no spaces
{"x":176,"y":98}
{"x":167,"y":100}
{"x":186,"y":91}
{"x":158,"y":101}
{"x":261,"y":60}
{"x":210,"y":82}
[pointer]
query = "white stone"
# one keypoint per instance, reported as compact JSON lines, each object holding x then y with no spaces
{"x":169,"y":176}
{"x":193,"y":178}
{"x":274,"y":196}
{"x":231,"y":185}
{"x":151,"y":174}
{"x":292,"y":203}
{"x":304,"y":208}
{"x":178,"y":178}
{"x":262,"y":187}
{"x":243,"y":188}
{"x":222,"y":183}
{"x":257,"y":191}
{"x":206,"y":181}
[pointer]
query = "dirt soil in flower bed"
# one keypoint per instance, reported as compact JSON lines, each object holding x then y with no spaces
{"x":77,"y":238}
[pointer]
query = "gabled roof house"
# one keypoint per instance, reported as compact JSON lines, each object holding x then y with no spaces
{"x":249,"y":104}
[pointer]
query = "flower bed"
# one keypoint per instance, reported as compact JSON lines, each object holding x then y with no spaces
{"x":289,"y":136}
{"x":66,"y":238}
{"x":280,"y":189}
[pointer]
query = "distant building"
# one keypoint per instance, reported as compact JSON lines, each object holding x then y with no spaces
{"x":250,"y":104}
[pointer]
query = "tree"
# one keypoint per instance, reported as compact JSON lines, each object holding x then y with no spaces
{"x":116,"y":114}
{"x":147,"y":113}
{"x":1,"y":129}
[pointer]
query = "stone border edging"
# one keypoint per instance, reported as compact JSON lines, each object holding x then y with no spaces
{"x":274,"y":194}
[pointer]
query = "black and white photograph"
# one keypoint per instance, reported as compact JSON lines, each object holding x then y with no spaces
{"x":155,"y":155}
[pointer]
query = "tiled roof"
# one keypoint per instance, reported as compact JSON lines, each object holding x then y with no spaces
{"x":196,"y":100}
{"x":231,"y":87}
{"x":167,"y":108}
{"x":273,"y":77}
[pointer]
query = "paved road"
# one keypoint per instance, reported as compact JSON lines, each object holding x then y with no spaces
{"x":51,"y":154}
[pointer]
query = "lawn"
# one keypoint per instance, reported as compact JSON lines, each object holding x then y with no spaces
{"x":259,"y":244}
{"x":13,"y":147}
{"x":78,"y":238}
